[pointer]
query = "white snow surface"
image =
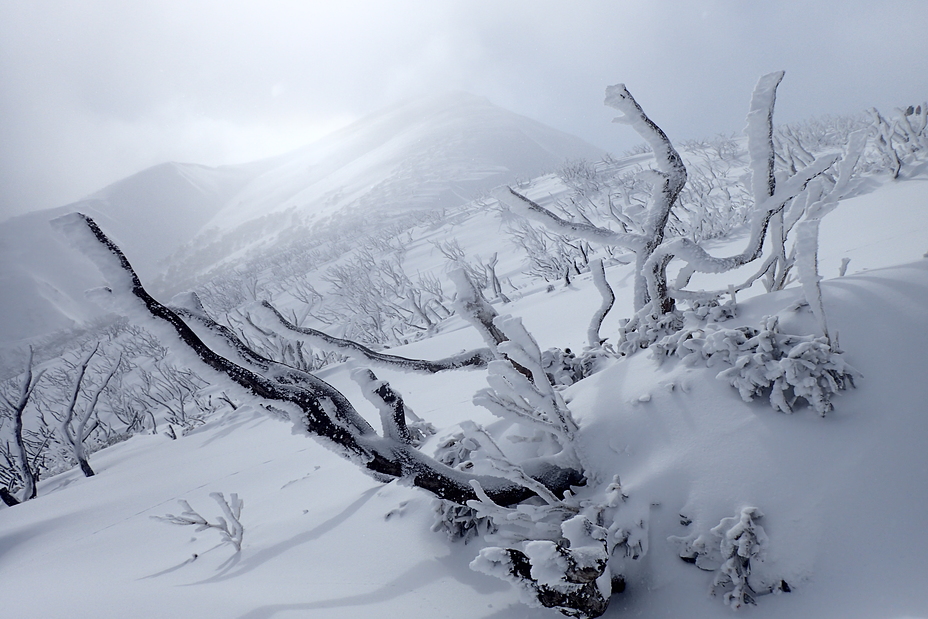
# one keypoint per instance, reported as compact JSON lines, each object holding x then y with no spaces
{"x":844,"y":497}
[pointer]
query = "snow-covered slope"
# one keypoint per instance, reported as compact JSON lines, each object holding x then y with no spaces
{"x":431,"y":153}
{"x":427,"y":153}
{"x":843,"y":496}
{"x":150,"y":213}
{"x":441,"y":151}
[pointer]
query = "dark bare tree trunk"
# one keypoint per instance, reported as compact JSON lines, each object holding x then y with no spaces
{"x":324,"y":411}
{"x":8,"y":498}
{"x":85,"y":468}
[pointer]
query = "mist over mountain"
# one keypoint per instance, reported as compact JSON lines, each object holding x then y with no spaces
{"x":430,"y":153}
{"x":152,"y":212}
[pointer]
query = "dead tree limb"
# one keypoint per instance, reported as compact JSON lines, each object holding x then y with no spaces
{"x":477,"y":358}
{"x":16,"y":408}
{"x":382,"y":457}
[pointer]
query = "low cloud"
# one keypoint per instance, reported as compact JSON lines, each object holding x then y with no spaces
{"x":94,"y":91}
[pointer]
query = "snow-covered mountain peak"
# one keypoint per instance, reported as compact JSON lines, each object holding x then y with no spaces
{"x":433,"y":152}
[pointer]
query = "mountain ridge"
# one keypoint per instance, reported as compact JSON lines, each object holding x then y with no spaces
{"x":435,"y":152}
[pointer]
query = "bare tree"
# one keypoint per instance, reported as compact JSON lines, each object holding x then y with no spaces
{"x":177,"y":391}
{"x":271,"y":316}
{"x":902,"y":138}
{"x":653,"y":294}
{"x":666,"y":183}
{"x":76,"y":435}
{"x":15,"y":404}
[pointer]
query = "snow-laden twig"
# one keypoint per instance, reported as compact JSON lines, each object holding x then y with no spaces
{"x":229,"y":524}
{"x":529,"y":399}
{"x":272,"y":319}
{"x":389,"y":404}
{"x":488,"y":450}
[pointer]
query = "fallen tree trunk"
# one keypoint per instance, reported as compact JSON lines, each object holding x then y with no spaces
{"x":321,"y":412}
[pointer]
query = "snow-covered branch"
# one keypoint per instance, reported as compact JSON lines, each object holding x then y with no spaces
{"x":229,"y":525}
{"x":383,"y":457}
{"x":608,"y":299}
{"x":520,"y":389}
{"x":273,"y":319}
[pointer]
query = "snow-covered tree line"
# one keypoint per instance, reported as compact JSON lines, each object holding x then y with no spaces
{"x":111,"y":381}
{"x":715,"y":201}
{"x":348,"y":275}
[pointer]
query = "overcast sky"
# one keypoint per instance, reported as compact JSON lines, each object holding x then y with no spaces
{"x":93,"y":91}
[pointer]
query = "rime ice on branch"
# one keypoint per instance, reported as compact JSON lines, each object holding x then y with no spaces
{"x":316,"y":412}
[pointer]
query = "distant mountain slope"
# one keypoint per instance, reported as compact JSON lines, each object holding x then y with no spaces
{"x":156,"y":210}
{"x":431,"y":153}
{"x":427,"y":153}
{"x":150,"y":214}
{"x":435,"y":152}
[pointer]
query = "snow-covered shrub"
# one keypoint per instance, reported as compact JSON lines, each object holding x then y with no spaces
{"x":742,"y":541}
{"x":552,"y":257}
{"x":784,"y":367}
{"x":646,"y":329}
{"x":459,"y":522}
{"x":563,"y":368}
{"x":179,"y":393}
{"x":818,"y":134}
{"x":229,"y":525}
{"x":710,"y":310}
{"x":569,"y":575}
{"x":902,"y":139}
{"x":732,"y":550}
{"x":567,"y":554}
